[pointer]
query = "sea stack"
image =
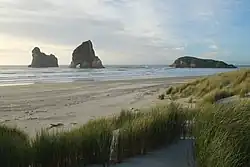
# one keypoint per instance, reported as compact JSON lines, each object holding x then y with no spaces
{"x":84,"y":56}
{"x":41,"y":60}
{"x":193,"y":62}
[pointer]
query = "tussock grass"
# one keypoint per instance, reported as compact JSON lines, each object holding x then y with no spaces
{"x":216,"y":95}
{"x":14,"y":147}
{"x":222,"y":134}
{"x":153,"y":129}
{"x":125,"y":116}
{"x":140,"y":132}
{"x":216,"y":86}
{"x":86,"y":145}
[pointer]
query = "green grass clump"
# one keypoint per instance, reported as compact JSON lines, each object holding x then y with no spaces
{"x":244,"y":91}
{"x":235,"y":83}
{"x":216,"y":95}
{"x":86,"y":145}
{"x":125,"y":116}
{"x":14,"y":148}
{"x":222,"y":134}
{"x":155,"y":128}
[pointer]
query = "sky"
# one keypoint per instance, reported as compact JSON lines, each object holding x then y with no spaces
{"x":126,"y":31}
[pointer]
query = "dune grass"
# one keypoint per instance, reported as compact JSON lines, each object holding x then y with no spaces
{"x":14,"y":147}
{"x":217,"y":95}
{"x":222,"y":134}
{"x":161,"y":126}
{"x":215,"y":87}
{"x":88,"y":144}
{"x":140,"y":132}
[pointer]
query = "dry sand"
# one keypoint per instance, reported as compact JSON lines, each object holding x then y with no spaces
{"x":37,"y":106}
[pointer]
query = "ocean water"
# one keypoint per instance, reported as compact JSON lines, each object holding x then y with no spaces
{"x":19,"y":75}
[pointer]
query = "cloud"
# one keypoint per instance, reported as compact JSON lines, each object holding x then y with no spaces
{"x":179,"y":48}
{"x":213,"y":47}
{"x":145,"y":31}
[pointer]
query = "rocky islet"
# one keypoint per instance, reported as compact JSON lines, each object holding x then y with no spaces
{"x":41,"y":60}
{"x":83,"y":56}
{"x":193,"y":62}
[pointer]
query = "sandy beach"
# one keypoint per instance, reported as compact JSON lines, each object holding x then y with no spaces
{"x":34,"y":107}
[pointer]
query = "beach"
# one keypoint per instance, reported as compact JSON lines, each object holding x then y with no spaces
{"x":62,"y":106}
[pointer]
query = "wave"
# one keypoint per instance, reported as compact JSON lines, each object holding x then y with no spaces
{"x":14,"y":84}
{"x":128,"y":66}
{"x":117,"y":72}
{"x":8,"y":73}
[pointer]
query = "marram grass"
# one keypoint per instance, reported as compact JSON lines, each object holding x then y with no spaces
{"x":14,"y":147}
{"x":215,"y":87}
{"x":222,"y":135}
{"x":158,"y":127}
{"x":221,"y":132}
{"x":140,"y":132}
{"x":86,"y":145}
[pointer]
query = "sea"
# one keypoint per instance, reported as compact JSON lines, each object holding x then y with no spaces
{"x":22,"y":75}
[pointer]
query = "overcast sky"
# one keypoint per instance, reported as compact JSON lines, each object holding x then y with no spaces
{"x":126,"y":31}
